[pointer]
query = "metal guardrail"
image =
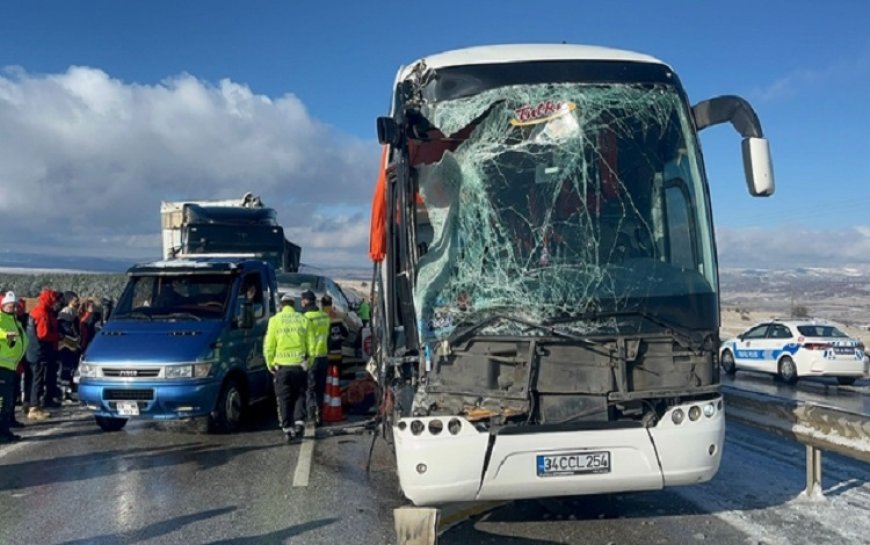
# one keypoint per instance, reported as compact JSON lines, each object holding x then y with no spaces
{"x":819,"y":427}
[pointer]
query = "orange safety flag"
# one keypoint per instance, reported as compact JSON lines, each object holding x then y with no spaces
{"x":378,"y":233}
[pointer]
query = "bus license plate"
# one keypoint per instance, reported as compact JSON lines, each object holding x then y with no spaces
{"x":128,"y":408}
{"x":577,"y":463}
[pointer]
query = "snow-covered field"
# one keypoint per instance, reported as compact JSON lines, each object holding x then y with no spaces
{"x":759,"y":490}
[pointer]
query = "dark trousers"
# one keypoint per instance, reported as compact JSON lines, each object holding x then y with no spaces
{"x":37,"y":386}
{"x":52,"y":390}
{"x":291,"y":382}
{"x":317,"y":383}
{"x":7,"y":399}
{"x":28,"y":384}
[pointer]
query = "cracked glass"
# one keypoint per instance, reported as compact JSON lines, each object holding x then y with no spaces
{"x":552,"y":202}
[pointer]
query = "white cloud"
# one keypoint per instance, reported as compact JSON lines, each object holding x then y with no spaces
{"x":786,"y":247}
{"x":85,"y":160}
{"x":793,"y":82}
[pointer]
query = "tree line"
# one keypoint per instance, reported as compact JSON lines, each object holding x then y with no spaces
{"x":97,"y":286}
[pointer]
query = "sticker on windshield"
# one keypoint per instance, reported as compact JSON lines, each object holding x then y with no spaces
{"x":532,"y":114}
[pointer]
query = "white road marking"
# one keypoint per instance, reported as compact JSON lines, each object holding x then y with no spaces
{"x":303,"y":463}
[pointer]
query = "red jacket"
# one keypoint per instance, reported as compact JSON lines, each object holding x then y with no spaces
{"x":45,"y":318}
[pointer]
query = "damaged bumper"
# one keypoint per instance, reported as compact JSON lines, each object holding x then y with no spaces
{"x":444,"y":459}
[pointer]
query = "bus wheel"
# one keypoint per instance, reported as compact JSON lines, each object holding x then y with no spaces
{"x":788,"y":370}
{"x":107,"y":423}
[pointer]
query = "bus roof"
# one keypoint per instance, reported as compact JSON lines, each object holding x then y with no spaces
{"x":494,"y":54}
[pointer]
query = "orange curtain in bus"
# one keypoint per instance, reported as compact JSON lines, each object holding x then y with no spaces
{"x":378,"y":232}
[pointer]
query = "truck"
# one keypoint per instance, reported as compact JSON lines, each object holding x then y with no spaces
{"x":183,"y":342}
{"x":546,"y":317}
{"x":227,"y":226}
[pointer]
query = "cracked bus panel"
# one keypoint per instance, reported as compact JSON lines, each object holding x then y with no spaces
{"x":549,"y":276}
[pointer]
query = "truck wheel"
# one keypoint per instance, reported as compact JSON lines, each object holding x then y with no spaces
{"x":728,"y":363}
{"x":846,"y":381}
{"x":227,"y":416}
{"x":107,"y":423}
{"x":788,"y":370}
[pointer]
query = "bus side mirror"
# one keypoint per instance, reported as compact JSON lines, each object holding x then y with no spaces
{"x":388,"y":131}
{"x":758,"y":167}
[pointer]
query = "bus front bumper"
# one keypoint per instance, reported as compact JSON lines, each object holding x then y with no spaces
{"x":449,"y":463}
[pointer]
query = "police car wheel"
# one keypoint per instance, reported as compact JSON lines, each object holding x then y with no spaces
{"x":846,"y":381}
{"x":787,"y":370}
{"x":728,"y":363}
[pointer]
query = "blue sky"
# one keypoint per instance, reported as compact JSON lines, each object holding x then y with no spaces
{"x":805,"y":67}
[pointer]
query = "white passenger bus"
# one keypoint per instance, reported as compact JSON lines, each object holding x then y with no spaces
{"x":548,"y":304}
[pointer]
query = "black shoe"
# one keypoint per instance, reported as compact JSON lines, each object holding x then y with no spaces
{"x":290,"y":436}
{"x":299,"y":431}
{"x":16,"y":424}
{"x":9,"y":437}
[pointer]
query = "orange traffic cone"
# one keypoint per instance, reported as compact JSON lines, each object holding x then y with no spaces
{"x":332,"y":397}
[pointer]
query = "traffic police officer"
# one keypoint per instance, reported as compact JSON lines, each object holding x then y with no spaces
{"x":318,"y":331}
{"x":286,"y":349}
{"x":13,"y":345}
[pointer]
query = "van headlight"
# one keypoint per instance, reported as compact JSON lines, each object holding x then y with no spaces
{"x":87,"y":370}
{"x":196,"y":370}
{"x":201,"y":370}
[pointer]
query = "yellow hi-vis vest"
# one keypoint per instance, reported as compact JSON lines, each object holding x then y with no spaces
{"x":286,"y":341}
{"x":11,"y":355}
{"x":318,"y":332}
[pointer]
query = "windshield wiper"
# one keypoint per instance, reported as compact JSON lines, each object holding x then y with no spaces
{"x":188,"y":315}
{"x":460,"y":335}
{"x":687,"y":334}
{"x":136,"y":314}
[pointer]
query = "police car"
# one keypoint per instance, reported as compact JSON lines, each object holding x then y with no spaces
{"x":795,"y":348}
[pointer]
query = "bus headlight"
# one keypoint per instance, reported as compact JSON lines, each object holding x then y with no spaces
{"x":201,"y":370}
{"x":709,"y":410}
{"x":677,"y":416}
{"x":87,"y":370}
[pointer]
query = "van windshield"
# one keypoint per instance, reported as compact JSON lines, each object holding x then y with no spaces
{"x":177,"y":297}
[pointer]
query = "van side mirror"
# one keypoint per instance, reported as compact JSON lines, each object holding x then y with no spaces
{"x":245,"y":320}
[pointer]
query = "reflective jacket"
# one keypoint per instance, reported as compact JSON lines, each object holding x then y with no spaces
{"x":286,"y":341}
{"x":364,"y":311}
{"x":318,"y":332}
{"x":11,"y":355}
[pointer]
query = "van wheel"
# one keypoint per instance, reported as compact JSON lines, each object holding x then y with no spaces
{"x":728,"y":363}
{"x":107,"y":423}
{"x":788,"y":370}
{"x":846,"y":381}
{"x":228,"y":414}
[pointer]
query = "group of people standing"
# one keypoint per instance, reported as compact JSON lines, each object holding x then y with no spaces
{"x":39,"y":353}
{"x":298,"y":349}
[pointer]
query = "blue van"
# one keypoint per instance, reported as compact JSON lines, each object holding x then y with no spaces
{"x":184,"y":341}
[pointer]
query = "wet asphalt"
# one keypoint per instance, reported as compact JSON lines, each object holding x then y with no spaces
{"x":70,"y":483}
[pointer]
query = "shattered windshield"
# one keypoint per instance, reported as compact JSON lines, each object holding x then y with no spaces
{"x":551,"y":202}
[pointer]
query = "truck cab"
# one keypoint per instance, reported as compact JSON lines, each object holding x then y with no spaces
{"x":185,"y":341}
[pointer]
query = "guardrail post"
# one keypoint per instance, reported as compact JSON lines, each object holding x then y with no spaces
{"x":814,"y":471}
{"x":416,"y":525}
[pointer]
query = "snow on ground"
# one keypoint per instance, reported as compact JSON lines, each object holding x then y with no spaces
{"x":759,"y":490}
